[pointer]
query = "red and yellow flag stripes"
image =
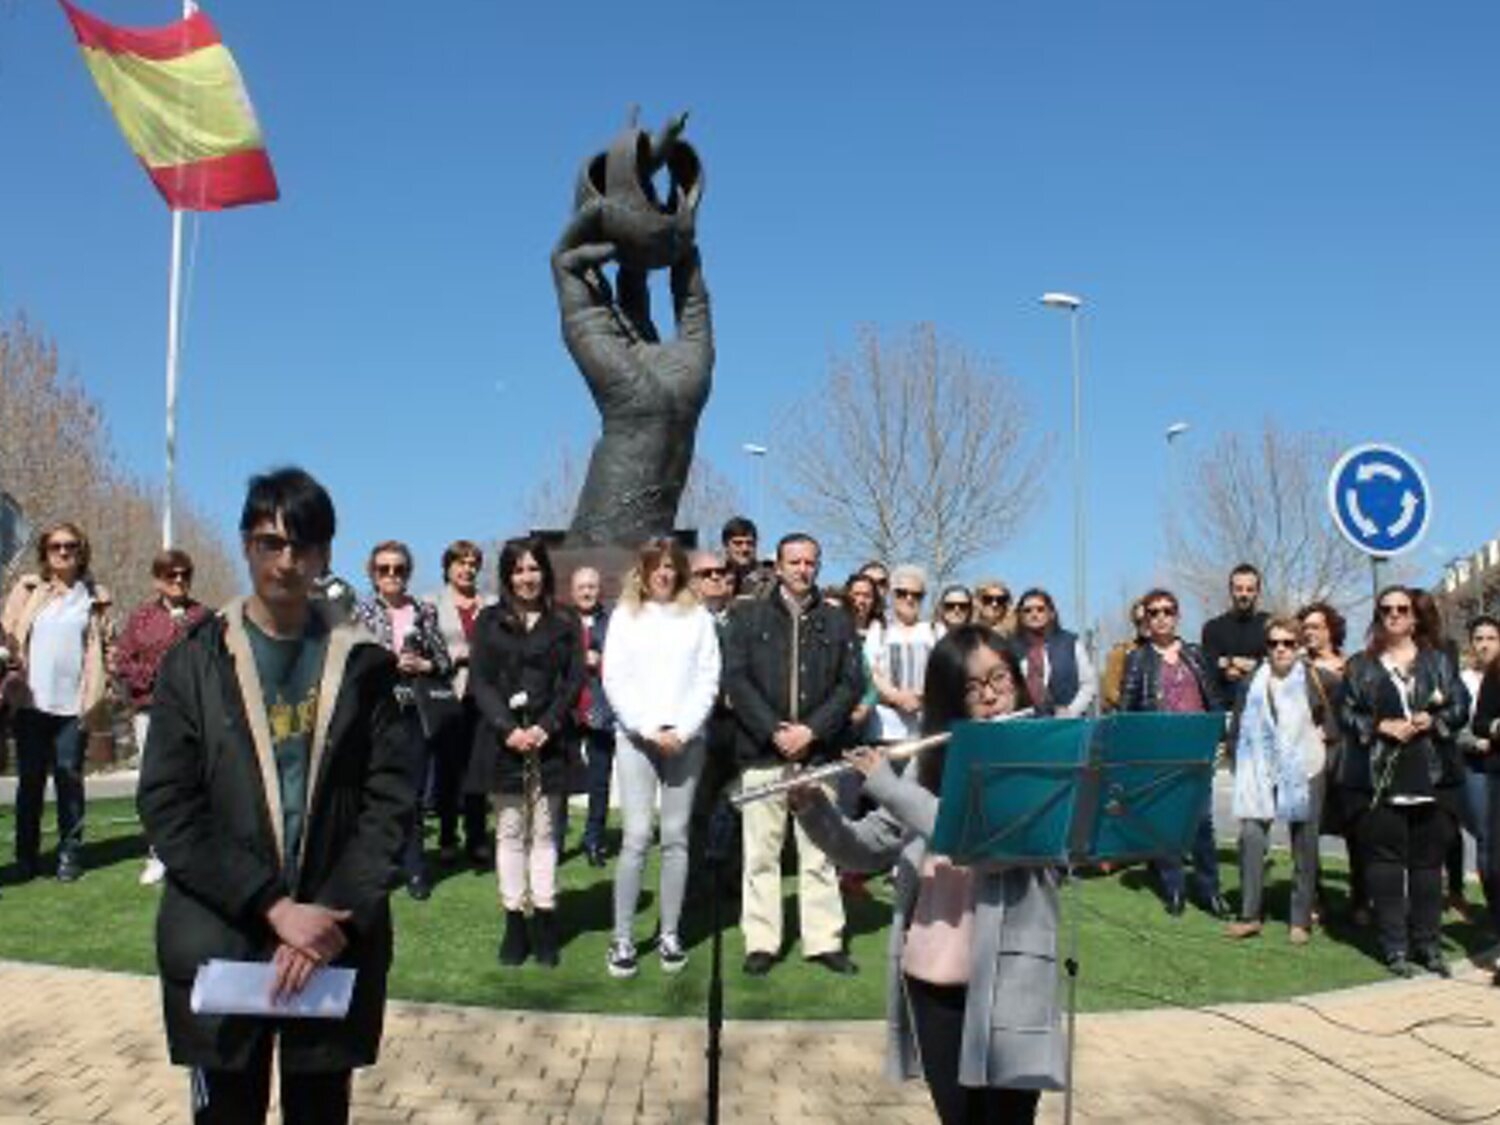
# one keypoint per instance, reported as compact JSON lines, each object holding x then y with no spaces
{"x":180,"y":101}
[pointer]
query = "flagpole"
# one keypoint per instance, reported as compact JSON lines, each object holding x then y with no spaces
{"x":174,"y":308}
{"x":174,"y":339}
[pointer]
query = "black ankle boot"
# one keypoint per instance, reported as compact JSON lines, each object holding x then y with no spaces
{"x":546,"y":937}
{"x":514,"y":946}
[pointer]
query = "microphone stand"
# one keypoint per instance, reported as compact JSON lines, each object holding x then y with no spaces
{"x":717,"y":855}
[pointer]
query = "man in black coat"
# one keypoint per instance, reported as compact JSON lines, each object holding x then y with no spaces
{"x":1234,"y":643}
{"x":793,"y":675}
{"x":278,"y":789}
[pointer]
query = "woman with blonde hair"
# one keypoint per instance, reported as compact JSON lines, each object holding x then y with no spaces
{"x":57,"y":628}
{"x":661,"y":674}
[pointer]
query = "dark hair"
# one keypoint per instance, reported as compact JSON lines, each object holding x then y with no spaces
{"x":737,"y":526}
{"x":511,"y":555}
{"x":796,"y":537}
{"x":389,"y":547}
{"x":1160,"y":593}
{"x":877,"y":603}
{"x":461,"y":549}
{"x":85,"y":553}
{"x":169,"y":560}
{"x":874,"y":563}
{"x":946,"y":687}
{"x":1380,"y":639}
{"x":1245,"y":568}
{"x":1338,"y":628}
{"x":302,"y":503}
{"x":1429,"y":633}
{"x":1480,"y":622}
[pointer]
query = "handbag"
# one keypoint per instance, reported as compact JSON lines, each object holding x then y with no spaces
{"x":437,"y":704}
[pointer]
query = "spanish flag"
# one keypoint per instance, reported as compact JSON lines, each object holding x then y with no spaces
{"x":182,"y":106}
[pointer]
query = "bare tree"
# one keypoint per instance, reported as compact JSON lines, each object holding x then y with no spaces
{"x":1261,"y":498}
{"x":709,"y":499}
{"x":912,"y":449}
{"x":56,"y":460}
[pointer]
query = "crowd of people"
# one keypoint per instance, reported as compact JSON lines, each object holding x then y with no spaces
{"x":289,"y":766}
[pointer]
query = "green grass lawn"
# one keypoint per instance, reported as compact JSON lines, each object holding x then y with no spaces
{"x":1131,"y":953}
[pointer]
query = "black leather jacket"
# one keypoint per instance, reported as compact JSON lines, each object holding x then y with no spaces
{"x":1437,"y":689}
{"x":1142,"y":690}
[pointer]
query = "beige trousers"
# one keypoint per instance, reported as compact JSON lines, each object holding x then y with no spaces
{"x":820,"y":908}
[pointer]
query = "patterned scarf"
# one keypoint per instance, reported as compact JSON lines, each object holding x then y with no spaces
{"x":1270,"y":772}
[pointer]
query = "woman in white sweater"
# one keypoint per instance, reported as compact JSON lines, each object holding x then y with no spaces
{"x":661,"y":674}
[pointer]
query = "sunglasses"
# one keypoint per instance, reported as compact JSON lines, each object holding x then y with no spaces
{"x":1396,"y":609}
{"x":711,"y":572}
{"x":178,"y":575}
{"x":391,"y":570}
{"x":911,"y":595}
{"x":63,"y":547}
{"x":1033,"y":607}
{"x":956,"y":607}
{"x":1280,"y":642}
{"x":994,"y":599}
{"x":1162,"y":611}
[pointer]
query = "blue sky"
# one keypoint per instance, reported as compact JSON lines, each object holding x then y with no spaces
{"x":1272,"y":210}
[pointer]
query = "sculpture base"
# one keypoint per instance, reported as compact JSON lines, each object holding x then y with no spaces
{"x":612,"y":563}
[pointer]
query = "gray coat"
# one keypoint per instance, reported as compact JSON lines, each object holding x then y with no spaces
{"x":1013,"y":1031}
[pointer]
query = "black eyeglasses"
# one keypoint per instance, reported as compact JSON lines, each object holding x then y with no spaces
{"x":1395,"y":609}
{"x":178,"y":575}
{"x":994,"y":599}
{"x":1034,"y":607}
{"x":910,"y":595}
{"x":1162,"y":611}
{"x":956,"y":607}
{"x":1280,"y":642}
{"x":711,"y":572}
{"x":63,"y":547}
{"x":391,"y":570}
{"x":270,"y":544}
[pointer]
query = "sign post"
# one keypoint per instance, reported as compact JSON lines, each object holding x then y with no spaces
{"x":1380,"y":502}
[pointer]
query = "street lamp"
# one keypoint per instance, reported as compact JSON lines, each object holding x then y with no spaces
{"x":758,"y":454}
{"x":1072,"y":306}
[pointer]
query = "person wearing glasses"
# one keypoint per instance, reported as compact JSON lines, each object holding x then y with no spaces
{"x":1060,"y":677}
{"x":992,"y":606}
{"x":409,"y":629}
{"x":1480,"y":776}
{"x":1171,"y":675}
{"x":1283,"y":725}
{"x":58,"y":630}
{"x":971,"y":984}
{"x":898,"y":660}
{"x":152,"y":628}
{"x":661,"y":673}
{"x":526,"y":670}
{"x":458,"y":604}
{"x":277,"y":790}
{"x":1404,"y":704}
{"x":955,"y":607}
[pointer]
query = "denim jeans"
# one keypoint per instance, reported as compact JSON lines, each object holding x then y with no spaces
{"x":48,"y":744}
{"x":1205,"y":863}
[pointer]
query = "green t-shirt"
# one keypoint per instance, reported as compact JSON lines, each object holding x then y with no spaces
{"x":290,"y":671}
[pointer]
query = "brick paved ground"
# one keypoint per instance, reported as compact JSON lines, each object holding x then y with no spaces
{"x":84,"y":1046}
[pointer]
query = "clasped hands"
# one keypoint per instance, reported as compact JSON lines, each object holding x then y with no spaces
{"x":526,"y":740}
{"x":309,"y":936}
{"x":1404,"y":730}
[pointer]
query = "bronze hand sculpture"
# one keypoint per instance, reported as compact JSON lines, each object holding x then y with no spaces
{"x":649,"y":393}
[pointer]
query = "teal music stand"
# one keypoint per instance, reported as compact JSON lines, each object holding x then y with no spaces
{"x":1071,"y":792}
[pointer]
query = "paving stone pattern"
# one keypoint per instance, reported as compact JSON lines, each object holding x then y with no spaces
{"x":83,"y":1046}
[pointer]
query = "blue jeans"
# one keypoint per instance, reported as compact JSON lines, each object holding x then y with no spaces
{"x":599,"y":751}
{"x":1205,"y":863}
{"x":48,"y":744}
{"x":1476,"y":815}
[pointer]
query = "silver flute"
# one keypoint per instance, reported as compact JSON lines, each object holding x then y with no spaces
{"x":896,"y":752}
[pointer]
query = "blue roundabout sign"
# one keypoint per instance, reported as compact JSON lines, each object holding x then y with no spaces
{"x":1379,"y":499}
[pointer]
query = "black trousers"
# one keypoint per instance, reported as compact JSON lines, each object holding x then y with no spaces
{"x":455,"y":744}
{"x":938,"y":1014}
{"x":242,"y":1097}
{"x":1404,"y":846}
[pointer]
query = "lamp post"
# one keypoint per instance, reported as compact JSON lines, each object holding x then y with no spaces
{"x":1173,"y":432}
{"x":757,"y":453}
{"x":1072,"y":306}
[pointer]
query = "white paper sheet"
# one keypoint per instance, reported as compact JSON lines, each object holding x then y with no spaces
{"x":243,"y":988}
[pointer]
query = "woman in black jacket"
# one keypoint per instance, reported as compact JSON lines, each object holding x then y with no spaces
{"x":525,"y":672}
{"x":1403,"y":707}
